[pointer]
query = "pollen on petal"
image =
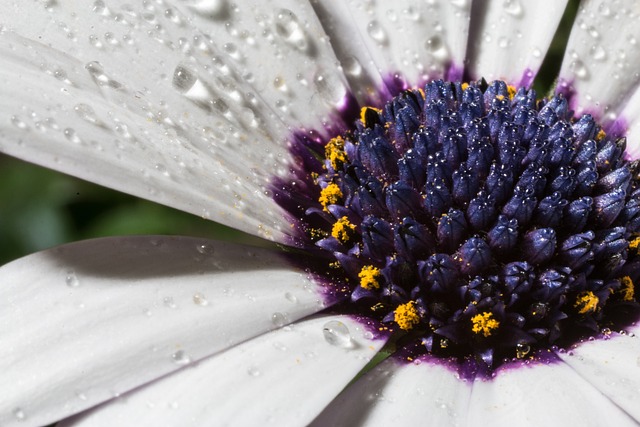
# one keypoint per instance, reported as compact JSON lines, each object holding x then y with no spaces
{"x":586,"y":302}
{"x":334,"y":151}
{"x":369,"y":277}
{"x":368,"y":115}
{"x":406,"y":316}
{"x":627,"y":289}
{"x":343,"y":229}
{"x":330,"y":195}
{"x":484,"y":324}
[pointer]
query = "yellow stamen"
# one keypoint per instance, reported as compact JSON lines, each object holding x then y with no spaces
{"x":406,"y":316}
{"x":330,"y":195}
{"x":343,"y":229}
{"x":369,"y":276}
{"x":464,"y":86}
{"x":512,"y":91}
{"x":635,"y":243}
{"x":601,"y":134}
{"x":363,"y":114}
{"x":499,"y":97}
{"x":587,"y":302}
{"x":334,"y":152}
{"x":627,"y":289}
{"x":484,"y":323}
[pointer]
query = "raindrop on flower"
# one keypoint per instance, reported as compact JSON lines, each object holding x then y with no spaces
{"x":290,"y":297}
{"x":19,"y":414}
{"x":289,"y":28}
{"x":438,"y":49}
{"x":71,"y":279}
{"x":181,"y":358}
{"x":278,"y":319}
{"x":522,"y":350}
{"x":205,"y":249}
{"x":513,"y":7}
{"x":254,"y":371}
{"x":17,"y":122}
{"x":336,"y":333}
{"x":183,"y":79}
{"x":377,"y":33}
{"x":199,"y":299}
{"x":213,"y":9}
{"x":579,"y":69}
{"x":352,"y":66}
{"x":86,"y":113}
{"x":169,"y":302}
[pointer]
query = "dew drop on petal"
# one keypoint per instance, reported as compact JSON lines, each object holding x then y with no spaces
{"x":513,"y":7}
{"x":183,"y":79}
{"x":205,"y":249}
{"x":278,"y":319}
{"x":19,"y":414}
{"x":71,"y":279}
{"x":290,"y":297}
{"x":169,"y":302}
{"x":438,"y":49}
{"x":253,"y":371}
{"x":597,"y":52}
{"x":212,"y":9}
{"x":377,"y":33}
{"x":289,"y":28}
{"x":181,"y":358}
{"x":336,"y":333}
{"x":579,"y":69}
{"x":352,"y":67}
{"x":199,"y":299}
{"x":329,"y":87}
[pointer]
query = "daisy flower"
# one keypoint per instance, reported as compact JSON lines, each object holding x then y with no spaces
{"x":454,"y":248}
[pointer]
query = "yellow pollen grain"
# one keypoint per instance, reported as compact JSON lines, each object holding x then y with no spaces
{"x":635,"y":243}
{"x":464,"y":86}
{"x":330,"y":195}
{"x":369,"y":276}
{"x":484,"y":324}
{"x":334,"y":152}
{"x":511,"y":90}
{"x":406,"y":316}
{"x":343,"y":229}
{"x":587,"y":302}
{"x":627,"y":289}
{"x":499,"y":97}
{"x":363,"y":113}
{"x":601,"y":134}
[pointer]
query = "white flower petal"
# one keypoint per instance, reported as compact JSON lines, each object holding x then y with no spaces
{"x":600,"y":67}
{"x":542,"y":395}
{"x":396,"y":393}
{"x":285,"y":377}
{"x":85,"y":321}
{"x":156,"y":100}
{"x":629,"y":120}
{"x":375,"y":40}
{"x":613,"y":367}
{"x":510,"y":38}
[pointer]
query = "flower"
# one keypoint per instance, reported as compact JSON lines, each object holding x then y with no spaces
{"x":194,"y":104}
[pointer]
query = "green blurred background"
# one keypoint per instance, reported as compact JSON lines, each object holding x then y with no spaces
{"x":40,"y":208}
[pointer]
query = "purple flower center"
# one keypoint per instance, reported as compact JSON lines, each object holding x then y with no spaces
{"x":474,"y":222}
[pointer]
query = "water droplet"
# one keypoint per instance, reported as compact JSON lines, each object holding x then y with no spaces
{"x":438,"y":49}
{"x":205,"y":249}
{"x":537,"y":52}
{"x":289,"y":28}
{"x":71,"y":135}
{"x":181,"y":358}
{"x":19,"y":414}
{"x":597,"y":52}
{"x":17,"y":122}
{"x":579,"y":69}
{"x":503,"y":42}
{"x":290,"y":297}
{"x":279,"y":346}
{"x":183,"y":79}
{"x":80,"y":395}
{"x":254,"y":371}
{"x":522,"y":349}
{"x":513,"y":7}
{"x":352,"y":66}
{"x":329,"y":87}
{"x":278,"y":319}
{"x":336,"y":333}
{"x":377,"y":33}
{"x":200,"y":299}
{"x":169,"y":302}
{"x":85,"y":112}
{"x":213,"y":9}
{"x":71,"y":279}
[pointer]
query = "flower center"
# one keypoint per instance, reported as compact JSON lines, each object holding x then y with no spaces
{"x":474,"y":222}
